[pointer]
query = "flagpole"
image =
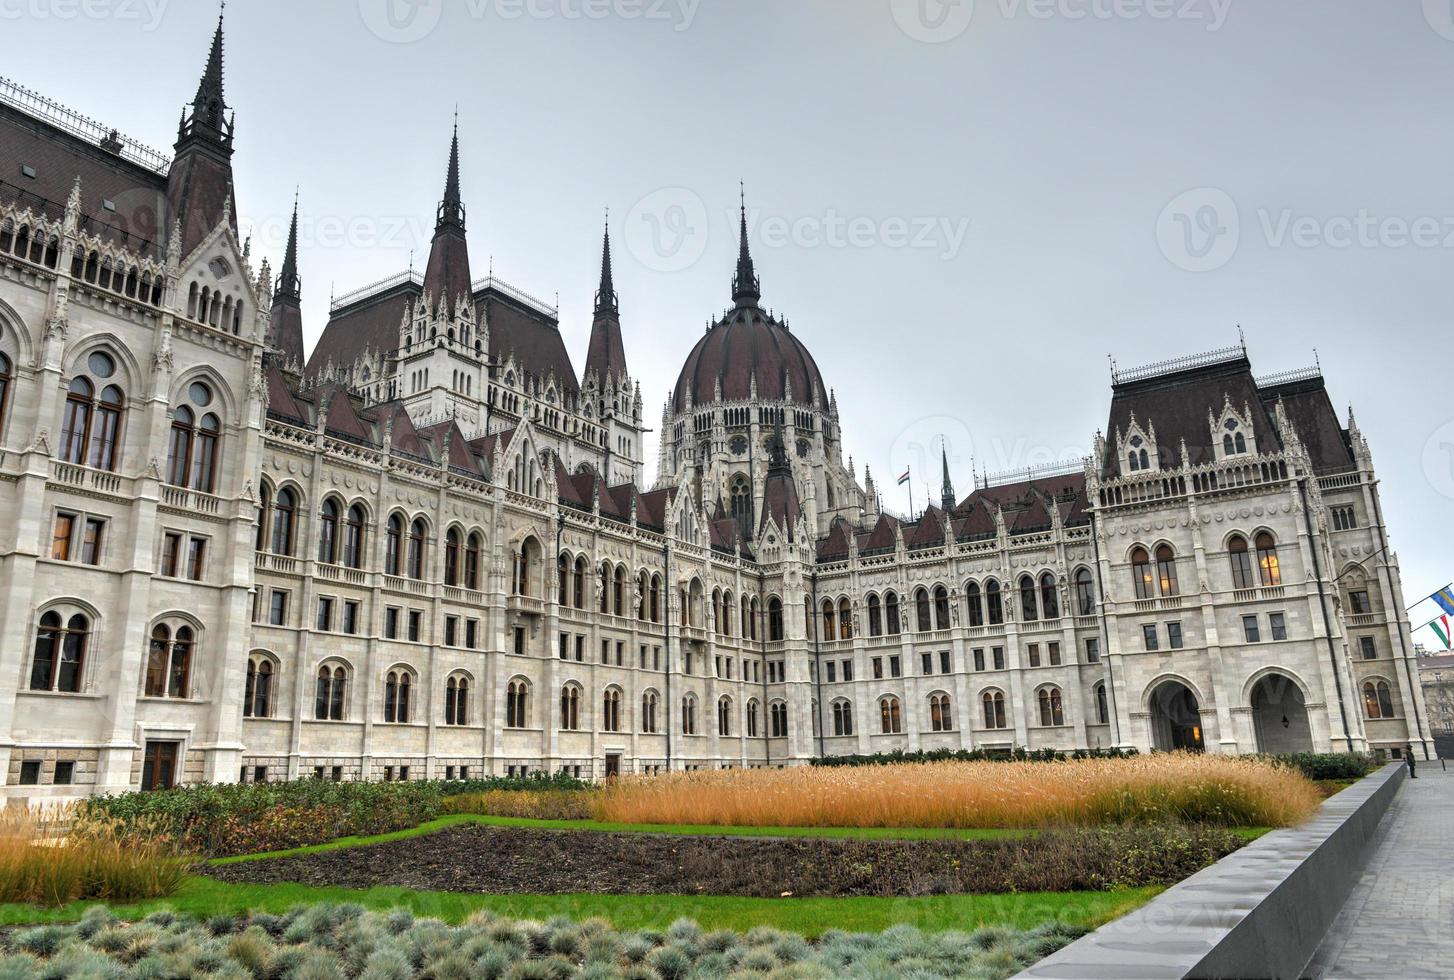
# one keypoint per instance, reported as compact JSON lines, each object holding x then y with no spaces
{"x":910,"y":471}
{"x":1428,"y":597}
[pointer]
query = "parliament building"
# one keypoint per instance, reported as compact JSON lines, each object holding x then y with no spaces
{"x":428,"y":548}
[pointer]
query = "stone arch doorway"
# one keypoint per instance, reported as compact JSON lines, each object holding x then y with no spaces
{"x":1176,"y":718}
{"x":1280,"y":716}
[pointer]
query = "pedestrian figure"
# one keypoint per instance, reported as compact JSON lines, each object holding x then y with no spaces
{"x":1409,"y":755}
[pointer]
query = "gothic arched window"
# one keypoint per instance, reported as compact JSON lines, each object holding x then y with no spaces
{"x":284,"y":513}
{"x":257,"y":697}
{"x":1267,"y":563}
{"x":328,"y":695}
{"x":169,"y":662}
{"x":60,"y":653}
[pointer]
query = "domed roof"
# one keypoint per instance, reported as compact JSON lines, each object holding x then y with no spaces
{"x":747,"y":343}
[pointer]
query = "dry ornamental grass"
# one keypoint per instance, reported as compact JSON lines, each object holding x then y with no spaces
{"x":47,"y":859}
{"x":1209,"y":789}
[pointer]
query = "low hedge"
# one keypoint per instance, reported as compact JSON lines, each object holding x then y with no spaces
{"x":549,"y":804}
{"x":899,"y":756}
{"x":1329,"y":765}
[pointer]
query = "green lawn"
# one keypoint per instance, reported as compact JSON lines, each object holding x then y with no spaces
{"x":203,"y":897}
{"x":877,"y":833}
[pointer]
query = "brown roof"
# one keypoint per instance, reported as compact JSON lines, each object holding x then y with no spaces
{"x":606,"y":355}
{"x":285,"y":330}
{"x":371,"y":324}
{"x":747,"y":343}
{"x":280,"y":397}
{"x":447,"y":276}
{"x":140,"y":219}
{"x":1313,"y":417}
{"x":533,"y":337}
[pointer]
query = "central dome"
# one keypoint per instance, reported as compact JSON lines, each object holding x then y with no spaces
{"x":747,"y":343}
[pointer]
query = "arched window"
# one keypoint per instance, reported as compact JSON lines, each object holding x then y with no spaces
{"x":397,"y":685}
{"x":752,"y":614}
{"x":451,"y":557}
{"x":517,"y":704}
{"x":284,"y":513}
{"x":169,"y":662}
{"x":257,"y":695}
{"x":752,"y":718}
{"x":6,"y":379}
{"x":192,"y":451}
{"x":416,"y":549}
{"x":1085,"y":593}
{"x":845,"y":619}
{"x":264,"y":511}
{"x":1049,"y":597}
{"x":777,"y":718}
{"x":1029,"y":612}
{"x":976,"y":604}
{"x":618,"y":591}
{"x":923,"y":620}
{"x":60,"y":653}
{"x":353,"y":531}
{"x":394,"y":545}
{"x":656,"y":598}
{"x":328,"y":532}
{"x":1141,"y":572}
{"x":1241,"y":562}
{"x":328,"y":697}
{"x":1103,"y":712}
{"x":774,"y":618}
{"x":92,"y":424}
{"x":1267,"y":563}
{"x":941,"y":713}
{"x":842,"y":718}
{"x":457,"y":700}
{"x":570,"y":708}
{"x":1166,"y":569}
{"x":875,"y":616}
{"x":562,"y":574}
{"x":1377,"y":699}
{"x":1052,"y":711}
{"x":649,"y":704}
{"x":994,"y":605}
{"x":941,"y":607}
{"x":611,"y":710}
{"x":724,"y":716}
{"x":994,"y":709}
{"x":891,"y":614}
{"x":689,"y":715}
{"x":603,"y":586}
{"x":829,"y":619}
{"x":890,"y":714}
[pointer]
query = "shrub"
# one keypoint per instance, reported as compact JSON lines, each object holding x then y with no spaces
{"x":254,"y":817}
{"x":533,"y":782}
{"x":39,"y":866}
{"x":551,"y":804}
{"x":1087,"y":792}
{"x":1330,"y":765}
{"x":970,"y":755}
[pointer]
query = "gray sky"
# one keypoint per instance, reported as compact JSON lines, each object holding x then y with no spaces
{"x":962,"y":208}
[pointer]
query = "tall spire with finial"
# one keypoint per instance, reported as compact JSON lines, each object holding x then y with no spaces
{"x":451,"y":209}
{"x":606,"y":294}
{"x":946,"y":492}
{"x":746,"y":288}
{"x":289,"y":283}
{"x":447,"y":276}
{"x":199,"y":182}
{"x":285,"y":324}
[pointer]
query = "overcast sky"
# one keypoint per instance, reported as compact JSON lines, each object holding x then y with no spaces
{"x":963,"y":208}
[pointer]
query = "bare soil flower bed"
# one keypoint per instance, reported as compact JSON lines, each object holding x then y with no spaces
{"x":504,"y":860}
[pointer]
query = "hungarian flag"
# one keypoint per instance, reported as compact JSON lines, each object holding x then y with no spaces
{"x":1445,"y":598}
{"x":1441,"y":630}
{"x":905,"y":479}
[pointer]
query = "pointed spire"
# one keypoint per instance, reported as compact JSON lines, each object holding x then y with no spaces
{"x":208,"y":105}
{"x":606,"y":299}
{"x":778,"y":451}
{"x":289,"y":285}
{"x":746,"y":287}
{"x":451,"y":209}
{"x":946,"y":493}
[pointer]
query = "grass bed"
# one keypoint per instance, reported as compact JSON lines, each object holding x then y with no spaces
{"x":205,"y":897}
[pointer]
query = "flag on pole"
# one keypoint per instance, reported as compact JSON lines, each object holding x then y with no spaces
{"x":905,"y":479}
{"x":1441,"y":630}
{"x":1445,"y":598}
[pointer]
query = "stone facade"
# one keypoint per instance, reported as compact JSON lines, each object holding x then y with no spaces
{"x":425,"y":553}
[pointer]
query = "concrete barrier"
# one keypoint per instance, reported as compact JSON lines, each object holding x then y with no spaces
{"x":1261,"y":912}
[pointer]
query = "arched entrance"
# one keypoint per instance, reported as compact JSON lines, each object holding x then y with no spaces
{"x":1176,"y":719}
{"x":1280,"y":716}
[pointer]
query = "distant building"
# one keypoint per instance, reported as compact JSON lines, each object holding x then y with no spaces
{"x":1436,"y":676}
{"x":426,"y":549}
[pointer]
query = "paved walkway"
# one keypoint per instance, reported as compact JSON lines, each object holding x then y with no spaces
{"x":1399,"y":920}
